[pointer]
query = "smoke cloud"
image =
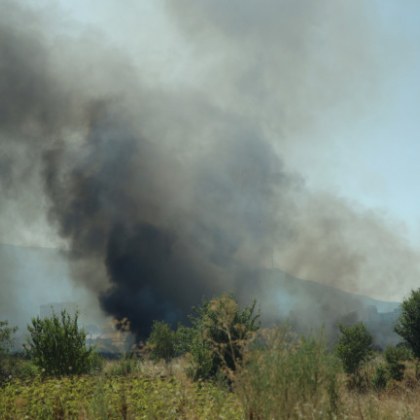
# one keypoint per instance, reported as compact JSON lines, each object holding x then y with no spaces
{"x":165,"y":196}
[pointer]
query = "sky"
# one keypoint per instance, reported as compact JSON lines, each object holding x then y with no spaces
{"x":370,"y":157}
{"x":332,"y":86}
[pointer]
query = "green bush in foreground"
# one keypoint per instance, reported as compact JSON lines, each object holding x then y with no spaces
{"x":288,"y":377}
{"x":354,"y":347}
{"x":394,"y":356}
{"x":58,"y":347}
{"x":222,"y":331}
{"x":162,"y":341}
{"x":380,"y":378}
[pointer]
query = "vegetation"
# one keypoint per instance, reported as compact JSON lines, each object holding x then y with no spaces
{"x":394,"y":357}
{"x":408,"y":325}
{"x":294,"y":376}
{"x":267,"y":373}
{"x":58,"y":347}
{"x":6,"y":342}
{"x":380,"y":377}
{"x":221,"y":334}
{"x":354,"y":348}
{"x":116,"y":397}
{"x":162,"y":341}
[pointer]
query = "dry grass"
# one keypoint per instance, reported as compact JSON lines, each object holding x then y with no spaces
{"x":283,"y":377}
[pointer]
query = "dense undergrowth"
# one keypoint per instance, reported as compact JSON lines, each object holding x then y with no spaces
{"x":115,"y":397}
{"x":282,"y":377}
{"x":221,"y":367}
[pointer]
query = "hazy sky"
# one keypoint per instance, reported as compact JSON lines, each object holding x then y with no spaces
{"x":334,"y":87}
{"x":368,"y":156}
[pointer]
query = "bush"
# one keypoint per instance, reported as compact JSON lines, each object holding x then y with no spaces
{"x":289,"y":377}
{"x":6,"y":343}
{"x":380,"y":378}
{"x":221,"y":332}
{"x":58,"y":347}
{"x":354,"y":347}
{"x":162,"y":341}
{"x":408,"y":325}
{"x":394,"y":357}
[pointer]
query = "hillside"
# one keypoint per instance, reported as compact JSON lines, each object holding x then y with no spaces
{"x":35,"y":276}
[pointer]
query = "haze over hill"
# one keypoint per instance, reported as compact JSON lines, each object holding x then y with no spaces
{"x":307,"y":305}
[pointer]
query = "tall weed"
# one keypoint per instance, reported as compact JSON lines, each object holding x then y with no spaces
{"x":289,"y":377}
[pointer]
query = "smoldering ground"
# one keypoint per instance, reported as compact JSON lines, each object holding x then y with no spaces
{"x":167,"y":195}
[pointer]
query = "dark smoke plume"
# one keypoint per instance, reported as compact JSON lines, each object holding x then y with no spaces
{"x":166,"y":197}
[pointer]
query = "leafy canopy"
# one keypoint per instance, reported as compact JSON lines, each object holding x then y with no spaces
{"x":6,"y":337}
{"x":354,"y":347}
{"x":408,"y":324}
{"x":58,"y":346}
{"x":222,"y":332}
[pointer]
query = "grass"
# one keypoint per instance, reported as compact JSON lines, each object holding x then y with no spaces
{"x":116,"y":397}
{"x":282,"y":377}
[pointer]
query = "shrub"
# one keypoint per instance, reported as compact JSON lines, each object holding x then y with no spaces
{"x":6,"y":343}
{"x":394,"y":357}
{"x":183,"y":339}
{"x":354,"y":347}
{"x":408,"y":324}
{"x":289,"y":377}
{"x":221,"y":332}
{"x":57,"y":345}
{"x":162,"y":341}
{"x":380,"y":378}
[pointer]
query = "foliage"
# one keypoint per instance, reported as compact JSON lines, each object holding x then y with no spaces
{"x":118,"y":397}
{"x":289,"y":377}
{"x":184,"y":337}
{"x":394,"y":357}
{"x":354,"y":347}
{"x":222,"y":331}
{"x":380,"y":378}
{"x":58,"y":347}
{"x":162,"y":341}
{"x":408,"y":324}
{"x":6,"y":343}
{"x":6,"y":337}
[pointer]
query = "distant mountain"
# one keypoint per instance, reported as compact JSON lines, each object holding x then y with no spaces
{"x":31,"y":276}
{"x":308,"y":305}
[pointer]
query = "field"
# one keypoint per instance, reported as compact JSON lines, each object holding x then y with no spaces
{"x":296,"y":383}
{"x":116,"y":396}
{"x":222,"y":367}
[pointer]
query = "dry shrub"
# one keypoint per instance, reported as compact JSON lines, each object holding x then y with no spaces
{"x":289,"y":377}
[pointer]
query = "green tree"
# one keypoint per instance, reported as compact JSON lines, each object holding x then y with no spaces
{"x":221,"y":333}
{"x":57,"y":345}
{"x":408,"y":324}
{"x":162,"y":341}
{"x":6,"y":343}
{"x":6,"y":337}
{"x":354,"y":347}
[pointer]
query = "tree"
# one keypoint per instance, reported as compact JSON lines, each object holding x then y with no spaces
{"x":6,"y":337}
{"x":408,"y":324}
{"x":162,"y":341}
{"x":221,"y":333}
{"x":354,"y":347}
{"x":6,"y":343}
{"x":57,"y":345}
